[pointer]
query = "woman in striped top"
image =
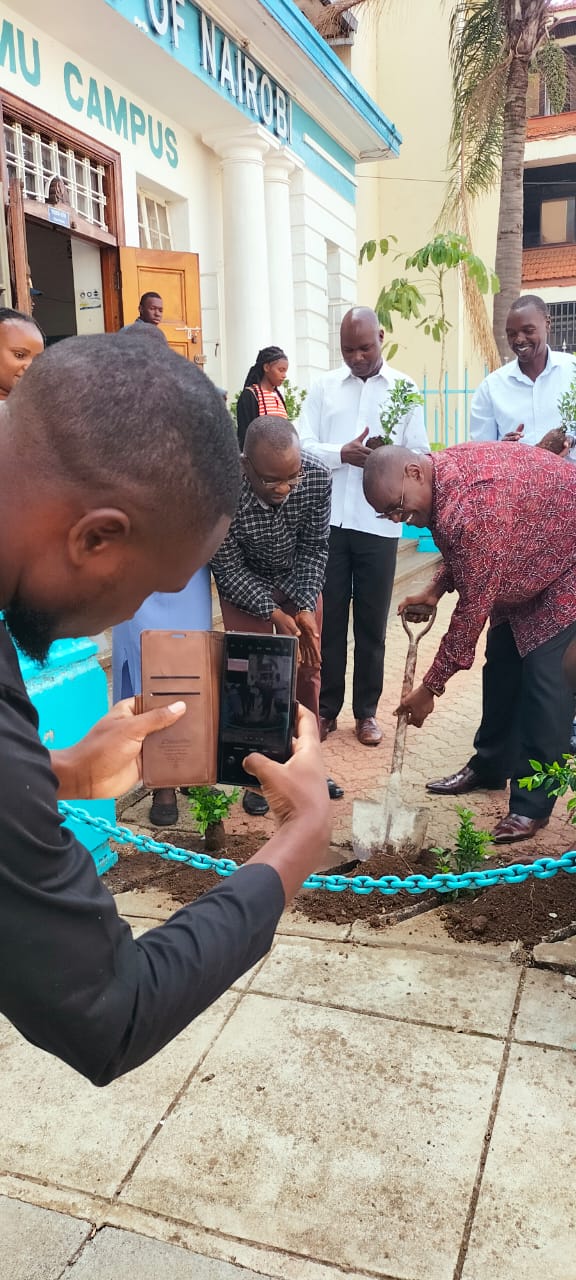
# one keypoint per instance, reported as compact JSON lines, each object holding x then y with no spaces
{"x":262,"y":394}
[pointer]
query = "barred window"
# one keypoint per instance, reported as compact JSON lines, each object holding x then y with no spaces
{"x":37,"y":159}
{"x":563,"y":326}
{"x":153,"y":223}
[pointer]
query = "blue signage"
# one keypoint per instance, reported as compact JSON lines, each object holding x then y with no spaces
{"x":60,"y":216}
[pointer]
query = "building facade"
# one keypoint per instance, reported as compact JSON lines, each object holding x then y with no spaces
{"x":549,"y":258}
{"x":213,"y":158}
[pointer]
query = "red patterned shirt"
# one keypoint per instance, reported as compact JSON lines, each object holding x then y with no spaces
{"x":504,"y":518}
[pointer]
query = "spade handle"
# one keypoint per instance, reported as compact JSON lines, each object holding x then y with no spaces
{"x":414,"y":639}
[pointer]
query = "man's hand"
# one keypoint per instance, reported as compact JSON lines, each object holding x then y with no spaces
{"x":108,"y":761}
{"x":514,"y":435}
{"x":284,"y":624}
{"x":298,"y":788}
{"x":418,"y":608}
{"x":309,"y":638}
{"x":355,"y":452}
{"x":417,"y":706}
{"x":555,"y":442}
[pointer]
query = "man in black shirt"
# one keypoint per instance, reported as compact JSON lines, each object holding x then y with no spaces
{"x":91,"y":526}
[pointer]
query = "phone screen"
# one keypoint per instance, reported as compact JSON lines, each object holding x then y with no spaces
{"x":257,"y":705}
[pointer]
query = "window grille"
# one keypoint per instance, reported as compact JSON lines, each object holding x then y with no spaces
{"x":36,"y":159}
{"x":563,"y":326}
{"x":153,"y":223}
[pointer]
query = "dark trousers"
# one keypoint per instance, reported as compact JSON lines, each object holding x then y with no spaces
{"x":308,"y":678}
{"x":527,"y":713}
{"x":360,"y":567}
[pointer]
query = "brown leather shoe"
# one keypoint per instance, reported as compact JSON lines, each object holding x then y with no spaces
{"x":456,"y":784}
{"x":327,"y":726}
{"x":368,"y":732}
{"x":515,"y":826}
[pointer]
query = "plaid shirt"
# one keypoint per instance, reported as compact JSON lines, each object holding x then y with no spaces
{"x":277,"y":550}
{"x":504,"y":518}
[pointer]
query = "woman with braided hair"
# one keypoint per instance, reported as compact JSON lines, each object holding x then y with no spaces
{"x":262,"y":395}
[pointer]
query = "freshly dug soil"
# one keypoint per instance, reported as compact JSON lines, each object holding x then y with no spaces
{"x":524,"y":913}
{"x":137,"y":870}
{"x":373,"y":908}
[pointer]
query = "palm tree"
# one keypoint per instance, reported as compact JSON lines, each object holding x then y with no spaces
{"x":493,"y":46}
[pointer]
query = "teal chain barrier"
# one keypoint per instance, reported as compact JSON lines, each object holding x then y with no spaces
{"x":516,"y":873}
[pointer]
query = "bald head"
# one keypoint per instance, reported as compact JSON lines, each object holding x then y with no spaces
{"x":398,"y":484}
{"x":361,"y":338}
{"x":277,"y":433}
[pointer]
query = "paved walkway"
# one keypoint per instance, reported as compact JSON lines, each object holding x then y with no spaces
{"x":391,"y":1105}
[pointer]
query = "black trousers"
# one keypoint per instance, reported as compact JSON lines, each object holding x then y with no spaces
{"x":527,"y":713}
{"x":360,"y":567}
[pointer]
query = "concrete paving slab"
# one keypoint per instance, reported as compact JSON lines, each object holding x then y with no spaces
{"x":293,"y":922}
{"x":37,"y":1243}
{"x":547,"y":1013}
{"x":333,"y":1135}
{"x":151,"y":903}
{"x":56,"y":1125}
{"x":557,"y":955}
{"x":427,"y":932}
{"x":525,"y":1224}
{"x":113,"y":1255}
{"x":449,"y":990}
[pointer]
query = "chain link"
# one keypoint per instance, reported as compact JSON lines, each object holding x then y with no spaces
{"x":517,"y":873}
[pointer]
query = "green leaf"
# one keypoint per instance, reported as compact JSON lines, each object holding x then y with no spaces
{"x":392,"y":349}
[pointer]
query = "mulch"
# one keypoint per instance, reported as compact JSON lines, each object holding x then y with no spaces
{"x":525,"y":913}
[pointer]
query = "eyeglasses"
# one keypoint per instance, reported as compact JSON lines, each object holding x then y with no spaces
{"x":397,"y":508}
{"x":267,"y":483}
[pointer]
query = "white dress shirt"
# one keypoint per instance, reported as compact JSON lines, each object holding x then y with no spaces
{"x":509,"y":397}
{"x":336,"y":410}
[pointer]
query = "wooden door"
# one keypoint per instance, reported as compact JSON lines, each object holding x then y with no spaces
{"x":176,"y":277}
{"x":17,"y":248}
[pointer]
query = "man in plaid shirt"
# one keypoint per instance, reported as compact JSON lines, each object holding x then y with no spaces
{"x":270,"y":568}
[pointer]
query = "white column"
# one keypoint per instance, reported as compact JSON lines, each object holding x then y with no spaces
{"x":246,"y":279}
{"x":278,"y":170}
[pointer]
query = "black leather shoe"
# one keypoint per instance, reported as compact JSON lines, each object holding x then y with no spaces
{"x":163,"y":815}
{"x":255,"y":804}
{"x":327,"y":726}
{"x":334,"y":791}
{"x":516,"y":826}
{"x":456,"y":784}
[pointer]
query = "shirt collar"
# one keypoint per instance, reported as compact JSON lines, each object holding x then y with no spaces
{"x":384,"y":372}
{"x":513,"y":370}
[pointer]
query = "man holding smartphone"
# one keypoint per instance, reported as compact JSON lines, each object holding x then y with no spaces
{"x":92,"y":527}
{"x":270,"y":569}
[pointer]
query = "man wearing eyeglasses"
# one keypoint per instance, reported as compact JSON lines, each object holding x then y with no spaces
{"x":270,"y":569}
{"x":504,"y":519}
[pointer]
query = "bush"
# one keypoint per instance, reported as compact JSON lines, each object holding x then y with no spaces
{"x":470,"y":849}
{"x":210,"y":805}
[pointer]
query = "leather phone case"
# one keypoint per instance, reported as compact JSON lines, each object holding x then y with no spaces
{"x":182,"y":666}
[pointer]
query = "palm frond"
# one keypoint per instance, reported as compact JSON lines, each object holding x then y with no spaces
{"x":552,"y":64}
{"x":479,"y":62}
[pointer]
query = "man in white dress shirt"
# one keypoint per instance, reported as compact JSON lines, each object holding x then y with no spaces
{"x":517,"y":402}
{"x":341,"y":412}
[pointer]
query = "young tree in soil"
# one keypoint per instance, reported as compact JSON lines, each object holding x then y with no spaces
{"x":209,"y":806}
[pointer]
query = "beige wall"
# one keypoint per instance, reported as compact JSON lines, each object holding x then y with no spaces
{"x":401,"y":57}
